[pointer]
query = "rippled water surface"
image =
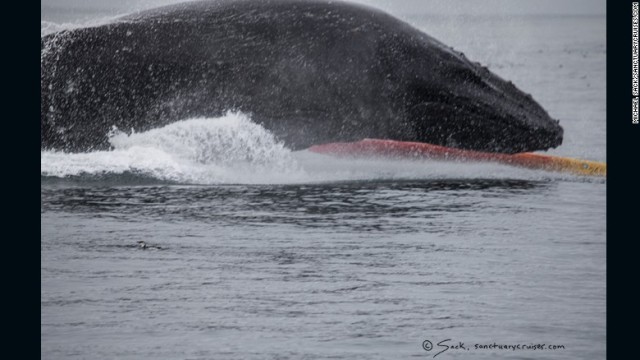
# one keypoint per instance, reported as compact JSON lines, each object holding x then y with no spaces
{"x":351,"y":270}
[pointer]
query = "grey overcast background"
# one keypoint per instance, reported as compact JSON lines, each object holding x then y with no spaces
{"x":66,"y":10}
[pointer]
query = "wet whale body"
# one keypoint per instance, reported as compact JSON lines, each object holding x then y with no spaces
{"x":311,"y":72}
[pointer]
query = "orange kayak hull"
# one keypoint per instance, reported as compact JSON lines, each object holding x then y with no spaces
{"x":404,"y":149}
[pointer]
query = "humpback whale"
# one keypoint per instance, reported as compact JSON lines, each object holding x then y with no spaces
{"x":310,"y":72}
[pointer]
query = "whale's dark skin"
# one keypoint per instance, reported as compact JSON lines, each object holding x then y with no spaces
{"x":311,"y":72}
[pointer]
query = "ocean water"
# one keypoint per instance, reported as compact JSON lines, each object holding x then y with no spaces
{"x":272,"y":254}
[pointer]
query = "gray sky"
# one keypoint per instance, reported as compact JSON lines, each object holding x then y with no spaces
{"x":70,"y":9}
{"x":499,"y":7}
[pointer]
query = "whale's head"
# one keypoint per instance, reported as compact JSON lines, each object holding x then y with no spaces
{"x":454,"y":102}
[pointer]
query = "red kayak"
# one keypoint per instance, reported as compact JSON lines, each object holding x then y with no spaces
{"x":416,"y":150}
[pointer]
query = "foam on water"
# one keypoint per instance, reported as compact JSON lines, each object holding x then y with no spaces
{"x":203,"y":151}
{"x":233,"y":149}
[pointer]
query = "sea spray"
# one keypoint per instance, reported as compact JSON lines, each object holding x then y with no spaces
{"x":200,"y":150}
{"x":232,"y":149}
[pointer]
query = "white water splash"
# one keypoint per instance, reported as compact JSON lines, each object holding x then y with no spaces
{"x":204,"y":151}
{"x":234,"y":150}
